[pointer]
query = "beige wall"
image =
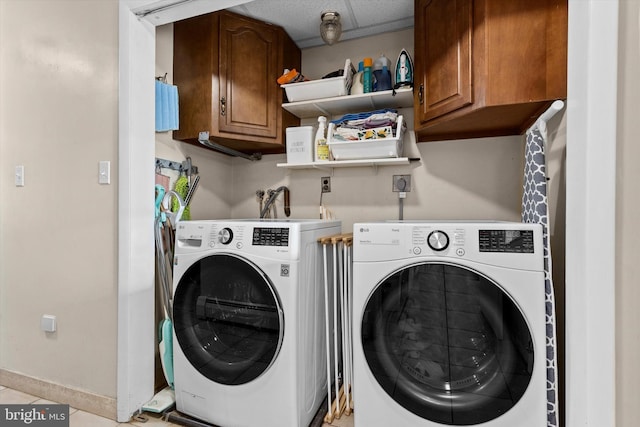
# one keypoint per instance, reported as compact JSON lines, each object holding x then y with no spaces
{"x":59,"y":118}
{"x":627,"y":226}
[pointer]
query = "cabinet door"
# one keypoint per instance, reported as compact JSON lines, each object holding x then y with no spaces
{"x":248,"y":91}
{"x":444,"y":75}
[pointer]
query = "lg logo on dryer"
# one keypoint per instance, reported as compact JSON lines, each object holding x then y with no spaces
{"x":284,"y":270}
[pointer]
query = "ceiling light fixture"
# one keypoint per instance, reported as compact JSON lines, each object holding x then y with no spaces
{"x":330,"y":27}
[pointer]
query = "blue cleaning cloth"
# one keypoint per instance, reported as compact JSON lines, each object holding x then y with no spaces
{"x":166,"y":107}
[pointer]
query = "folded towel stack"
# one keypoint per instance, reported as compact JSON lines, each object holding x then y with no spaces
{"x":166,"y":107}
{"x":364,"y":126}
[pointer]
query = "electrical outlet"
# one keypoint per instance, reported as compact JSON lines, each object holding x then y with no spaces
{"x":325,"y":184}
{"x":401,"y":183}
{"x":48,"y":323}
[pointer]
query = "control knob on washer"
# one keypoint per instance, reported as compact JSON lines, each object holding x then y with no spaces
{"x":225,"y":236}
{"x":438,"y":240}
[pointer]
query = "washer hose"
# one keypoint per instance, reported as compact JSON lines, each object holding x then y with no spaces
{"x":272,"y":198}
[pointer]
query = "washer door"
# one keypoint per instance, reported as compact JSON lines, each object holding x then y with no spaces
{"x":227,"y":319}
{"x":447,"y":344}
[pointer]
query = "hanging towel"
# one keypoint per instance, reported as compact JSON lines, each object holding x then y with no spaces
{"x":166,"y":107}
{"x":535,"y":209}
{"x":182,"y":188}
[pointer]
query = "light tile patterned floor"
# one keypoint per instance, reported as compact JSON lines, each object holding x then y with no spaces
{"x":344,"y":421}
{"x":79,"y":418}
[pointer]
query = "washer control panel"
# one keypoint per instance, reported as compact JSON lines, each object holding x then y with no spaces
{"x":270,"y":236}
{"x":239,"y":236}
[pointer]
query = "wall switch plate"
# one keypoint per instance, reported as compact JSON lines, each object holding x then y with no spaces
{"x":104,"y":172}
{"x":48,"y":323}
{"x":401,"y":183}
{"x":19,"y":176}
{"x":325,"y":184}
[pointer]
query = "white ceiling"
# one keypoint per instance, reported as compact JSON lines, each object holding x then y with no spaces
{"x":300,"y":18}
{"x":360,"y":18}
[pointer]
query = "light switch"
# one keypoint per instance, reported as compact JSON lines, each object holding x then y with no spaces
{"x":104,"y":172}
{"x":20,"y":176}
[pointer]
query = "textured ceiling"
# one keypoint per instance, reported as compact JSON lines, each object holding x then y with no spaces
{"x":360,"y":18}
{"x":300,"y":18}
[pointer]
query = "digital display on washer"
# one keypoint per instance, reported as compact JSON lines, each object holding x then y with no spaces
{"x":512,"y":241}
{"x":264,"y":236}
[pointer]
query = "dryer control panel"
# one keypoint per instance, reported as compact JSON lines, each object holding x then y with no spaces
{"x":511,"y":244}
{"x":515,"y":241}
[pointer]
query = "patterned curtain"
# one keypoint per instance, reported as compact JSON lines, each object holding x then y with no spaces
{"x":535,"y":209}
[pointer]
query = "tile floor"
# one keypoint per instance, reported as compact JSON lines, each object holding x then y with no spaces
{"x":78,"y":418}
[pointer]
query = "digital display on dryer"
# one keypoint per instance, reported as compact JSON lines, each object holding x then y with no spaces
{"x":510,"y":241}
{"x":264,"y":236}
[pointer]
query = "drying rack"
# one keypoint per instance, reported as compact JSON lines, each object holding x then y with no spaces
{"x":338,"y":289}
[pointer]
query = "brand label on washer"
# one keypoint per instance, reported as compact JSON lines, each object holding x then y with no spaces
{"x":379,"y":236}
{"x":284,"y":270}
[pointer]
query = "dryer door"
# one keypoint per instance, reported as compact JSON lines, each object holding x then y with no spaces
{"x":447,"y":343}
{"x":227,"y":319}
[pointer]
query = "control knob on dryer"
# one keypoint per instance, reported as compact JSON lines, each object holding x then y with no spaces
{"x":438,"y":240}
{"x":225,"y":236}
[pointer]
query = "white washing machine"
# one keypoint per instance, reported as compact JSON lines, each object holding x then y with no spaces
{"x":449,"y":324}
{"x":248,"y":316}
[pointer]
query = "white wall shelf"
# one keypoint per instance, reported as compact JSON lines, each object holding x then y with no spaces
{"x":332,"y":164}
{"x":403,"y":98}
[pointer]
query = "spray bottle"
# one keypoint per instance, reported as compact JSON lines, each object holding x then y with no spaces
{"x":367,"y":80}
{"x":357,"y":87}
{"x":321,"y":147}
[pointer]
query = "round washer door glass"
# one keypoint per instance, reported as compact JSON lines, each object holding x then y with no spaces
{"x":227,"y":319}
{"x":447,"y":344}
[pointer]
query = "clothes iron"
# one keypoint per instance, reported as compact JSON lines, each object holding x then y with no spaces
{"x":404,"y":70}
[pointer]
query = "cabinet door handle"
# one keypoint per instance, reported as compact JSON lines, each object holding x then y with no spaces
{"x":223,"y":106}
{"x":421,"y":94}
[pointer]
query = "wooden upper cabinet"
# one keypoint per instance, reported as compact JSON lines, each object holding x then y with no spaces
{"x":248,"y":53}
{"x":446,"y":83}
{"x":487,"y":67}
{"x":225,"y":67}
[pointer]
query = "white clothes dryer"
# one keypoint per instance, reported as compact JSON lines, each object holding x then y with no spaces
{"x":248,"y":316}
{"x":449,"y":324}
